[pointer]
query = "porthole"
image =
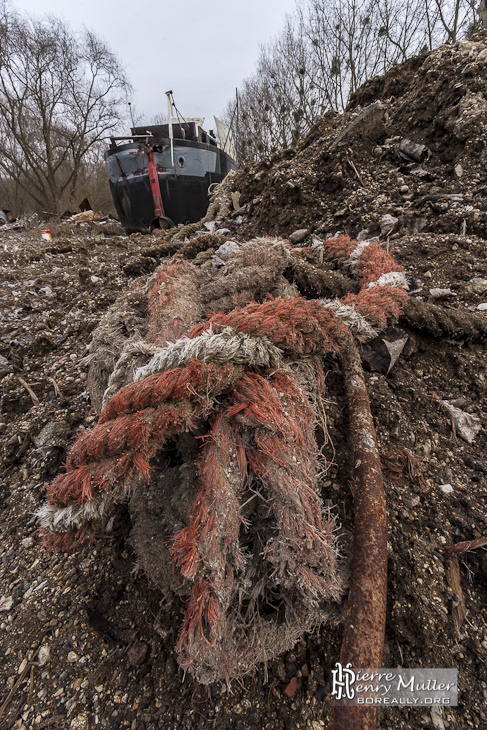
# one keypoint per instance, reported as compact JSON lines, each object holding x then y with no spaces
{"x":181,"y":161}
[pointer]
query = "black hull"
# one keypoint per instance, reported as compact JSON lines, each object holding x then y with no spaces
{"x":185,"y":200}
{"x":185,"y":171}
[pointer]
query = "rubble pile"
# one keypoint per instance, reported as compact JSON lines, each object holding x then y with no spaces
{"x":96,"y":633}
{"x":407,"y":157}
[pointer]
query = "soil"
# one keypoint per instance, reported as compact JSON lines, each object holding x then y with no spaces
{"x":87,"y":640}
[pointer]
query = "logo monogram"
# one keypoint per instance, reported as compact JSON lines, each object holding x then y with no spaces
{"x":342,"y":680}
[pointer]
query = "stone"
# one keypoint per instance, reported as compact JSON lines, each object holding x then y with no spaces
{"x":6,"y":603}
{"x":387,"y":224}
{"x":226,"y":250}
{"x":437,"y":293}
{"x":54,"y":433}
{"x":137,"y":654}
{"x":476,"y":286}
{"x":299,"y":235}
{"x":292,"y":687}
{"x":43,"y":655}
{"x":80,"y":722}
{"x":171,"y":666}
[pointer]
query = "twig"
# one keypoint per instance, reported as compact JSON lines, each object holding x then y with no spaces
{"x":95,"y":675}
{"x":35,"y":399}
{"x":25,"y":445}
{"x":31,"y":685}
{"x":465,"y":547}
{"x":50,"y":721}
{"x":57,"y":389}
{"x":350,"y":162}
{"x":454,"y":582}
{"x":12,"y":692}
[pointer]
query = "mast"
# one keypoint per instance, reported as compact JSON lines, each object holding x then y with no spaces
{"x":171,"y":135}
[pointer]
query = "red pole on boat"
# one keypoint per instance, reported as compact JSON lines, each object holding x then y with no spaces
{"x":154,"y":183}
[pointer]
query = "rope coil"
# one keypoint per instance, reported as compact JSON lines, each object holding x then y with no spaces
{"x":232,"y":371}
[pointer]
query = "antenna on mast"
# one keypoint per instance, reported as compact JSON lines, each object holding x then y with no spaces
{"x":131,"y":113}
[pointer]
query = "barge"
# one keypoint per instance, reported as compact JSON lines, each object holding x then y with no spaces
{"x":160,"y":174}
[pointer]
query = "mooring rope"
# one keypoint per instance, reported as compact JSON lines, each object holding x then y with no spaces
{"x":230,"y":371}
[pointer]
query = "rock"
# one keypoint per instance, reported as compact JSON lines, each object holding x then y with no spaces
{"x":171,"y":667}
{"x":292,"y":687}
{"x":217,"y":262}
{"x":298,"y":236}
{"x":413,"y":151}
{"x":43,"y":655}
{"x":458,"y":171}
{"x":482,"y":307}
{"x":137,"y":654}
{"x":54,"y":433}
{"x":446,"y":488}
{"x":6,"y":603}
{"x":226,"y":250}
{"x":439,"y":293}
{"x":387,"y":224}
{"x":80,"y":722}
{"x":476,"y":286}
{"x":369,"y":122}
{"x":482,"y":10}
{"x":223,"y":232}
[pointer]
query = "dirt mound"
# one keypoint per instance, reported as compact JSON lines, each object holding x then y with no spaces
{"x":408,"y":142}
{"x":87,"y":638}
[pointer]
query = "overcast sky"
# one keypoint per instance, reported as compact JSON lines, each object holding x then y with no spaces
{"x":201,"y":51}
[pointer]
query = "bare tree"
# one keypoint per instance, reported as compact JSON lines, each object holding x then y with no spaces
{"x":325,"y":51}
{"x":279,"y":102}
{"x":352,"y":40}
{"x":60,"y":94}
{"x":455,"y":17}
